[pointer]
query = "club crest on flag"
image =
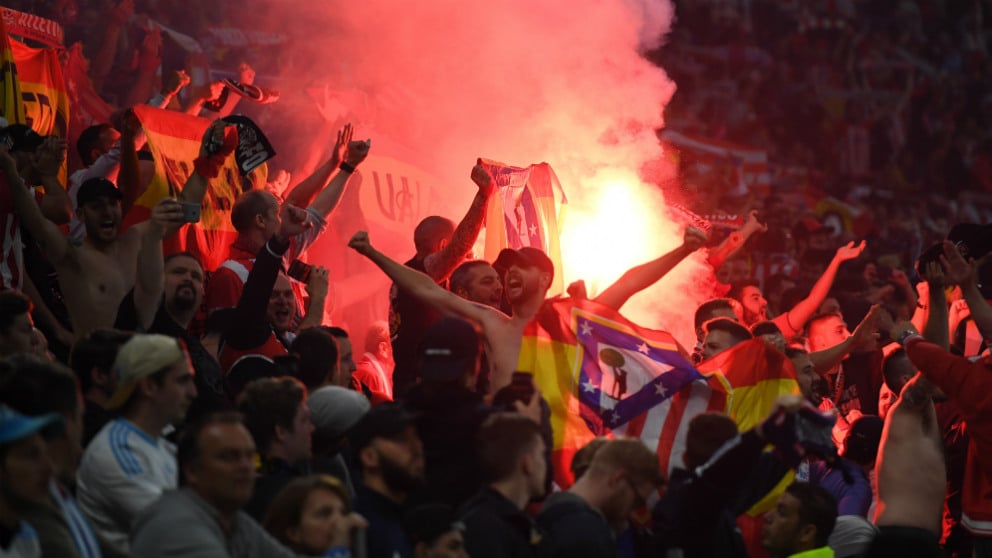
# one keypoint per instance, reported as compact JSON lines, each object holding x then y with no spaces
{"x":623,"y":375}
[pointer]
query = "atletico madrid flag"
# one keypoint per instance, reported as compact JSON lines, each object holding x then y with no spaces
{"x":603,"y":375}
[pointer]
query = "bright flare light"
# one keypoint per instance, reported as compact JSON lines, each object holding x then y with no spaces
{"x":622,"y":227}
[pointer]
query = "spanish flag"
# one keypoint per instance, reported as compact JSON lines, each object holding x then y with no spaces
{"x":525,"y":211}
{"x":174,"y":139}
{"x":10,"y":89}
{"x":753,"y":374}
{"x":603,"y":375}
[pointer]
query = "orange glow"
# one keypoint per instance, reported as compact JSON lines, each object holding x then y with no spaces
{"x":620,"y":227}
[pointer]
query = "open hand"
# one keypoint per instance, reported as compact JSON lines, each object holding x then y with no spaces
{"x":341,"y":144}
{"x":849,"y":251}
{"x":934,"y":274}
{"x":865,"y":336}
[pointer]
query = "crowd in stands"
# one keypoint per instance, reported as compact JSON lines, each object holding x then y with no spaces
{"x":152,"y":405}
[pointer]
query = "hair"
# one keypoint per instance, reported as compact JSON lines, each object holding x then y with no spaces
{"x":736,"y":330}
{"x":270,"y":402}
{"x":12,"y":305}
{"x":793,"y":352}
{"x":765,"y":328}
{"x":890,"y":370}
{"x":335,"y":331}
{"x":817,"y":507}
{"x":707,"y":432}
{"x":631,"y":456}
{"x":247,"y":206}
{"x":32,"y":386}
{"x":90,"y":140}
{"x":461,"y":275}
{"x":583,"y":457}
{"x":286,"y":509}
{"x":430,"y":231}
{"x":502,"y":440}
{"x":377,"y":333}
{"x":823,"y":316}
{"x":707,"y":310}
{"x":736,"y":291}
{"x":318,"y":354}
{"x":189,"y":255}
{"x":96,"y":350}
{"x":188,"y":451}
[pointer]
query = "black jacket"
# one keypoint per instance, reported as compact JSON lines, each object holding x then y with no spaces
{"x":495,"y":528}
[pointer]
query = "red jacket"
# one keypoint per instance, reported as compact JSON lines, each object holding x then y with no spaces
{"x":969,"y":385}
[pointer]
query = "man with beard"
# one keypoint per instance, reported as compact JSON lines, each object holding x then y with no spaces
{"x":96,"y":275}
{"x":477,"y":281}
{"x":391,"y":459}
{"x":529,"y":276}
{"x":173,"y":306}
{"x":584,"y":520}
{"x":791,"y":322}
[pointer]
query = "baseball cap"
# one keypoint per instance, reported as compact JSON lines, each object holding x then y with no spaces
{"x":334,"y":409}
{"x":96,"y":188}
{"x":382,"y":421}
{"x":525,"y":257}
{"x":863,"y":439}
{"x":142,"y":356}
{"x":23,"y":138}
{"x":428,"y":522}
{"x":448,"y":349}
{"x":14,"y":426}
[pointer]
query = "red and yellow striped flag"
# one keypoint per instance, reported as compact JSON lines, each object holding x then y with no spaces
{"x":10,"y":89}
{"x":174,"y":139}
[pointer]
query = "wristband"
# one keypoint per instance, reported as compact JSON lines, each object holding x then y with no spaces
{"x":907,"y":335}
{"x":347,"y":167}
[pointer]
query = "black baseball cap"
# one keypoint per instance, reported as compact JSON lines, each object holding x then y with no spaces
{"x":448,"y":349}
{"x":96,"y":188}
{"x":382,"y":421}
{"x":525,"y":257}
{"x":23,"y":138}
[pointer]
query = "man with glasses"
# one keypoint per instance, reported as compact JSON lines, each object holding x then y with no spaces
{"x":584,"y":520}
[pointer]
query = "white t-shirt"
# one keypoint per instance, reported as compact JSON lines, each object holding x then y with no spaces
{"x":123,"y":471}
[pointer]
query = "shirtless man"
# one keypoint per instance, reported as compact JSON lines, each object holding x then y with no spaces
{"x":910,"y":470}
{"x":97,"y":274}
{"x":526,"y":284}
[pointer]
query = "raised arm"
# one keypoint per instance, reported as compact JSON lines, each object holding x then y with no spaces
{"x":862,"y":339}
{"x":636,"y":279}
{"x":53,"y":243}
{"x":48,"y":159}
{"x":965,"y":273}
{"x":150,"y":280}
{"x":317,"y":289}
{"x":735,"y":240}
{"x":328,"y":198}
{"x":302,"y":195}
{"x":420,"y":285}
{"x":936,"y":328}
{"x":440,"y":264}
{"x":793,"y":321}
